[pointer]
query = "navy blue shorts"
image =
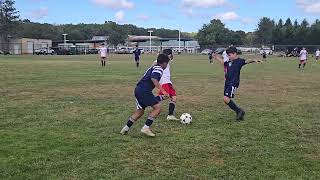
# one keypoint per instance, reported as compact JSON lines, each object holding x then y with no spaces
{"x":230,"y":90}
{"x":137,"y":59}
{"x":145,"y":99}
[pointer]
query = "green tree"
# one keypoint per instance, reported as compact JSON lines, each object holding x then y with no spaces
{"x":9,"y":17}
{"x":213,"y":34}
{"x":264,"y":31}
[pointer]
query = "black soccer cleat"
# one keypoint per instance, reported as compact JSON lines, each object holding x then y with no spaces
{"x":240,"y":115}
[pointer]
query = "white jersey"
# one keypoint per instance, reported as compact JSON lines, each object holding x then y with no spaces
{"x":303,"y":55}
{"x":103,"y":51}
{"x":225,"y":56}
{"x":318,"y":53}
{"x":166,"y":76}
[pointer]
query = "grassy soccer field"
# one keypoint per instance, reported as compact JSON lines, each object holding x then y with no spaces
{"x":60,"y":118}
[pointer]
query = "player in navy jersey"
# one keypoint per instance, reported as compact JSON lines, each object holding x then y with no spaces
{"x":145,"y":97}
{"x":137,"y":54}
{"x":232,"y":79}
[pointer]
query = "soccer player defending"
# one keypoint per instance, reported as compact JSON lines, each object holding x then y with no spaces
{"x":303,"y":58}
{"x":166,"y":84}
{"x":317,"y":54}
{"x":137,"y":54}
{"x":103,"y":54}
{"x":232,"y":79}
{"x":145,"y":98}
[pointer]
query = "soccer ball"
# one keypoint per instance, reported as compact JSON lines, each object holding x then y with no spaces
{"x":186,"y":118}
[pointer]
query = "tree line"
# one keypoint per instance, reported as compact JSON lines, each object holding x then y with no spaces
{"x":268,"y":32}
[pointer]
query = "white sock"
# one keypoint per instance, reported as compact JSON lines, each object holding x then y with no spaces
{"x":146,"y":127}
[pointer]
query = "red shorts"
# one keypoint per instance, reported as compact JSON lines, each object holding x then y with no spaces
{"x":169,"y":89}
{"x":303,"y":61}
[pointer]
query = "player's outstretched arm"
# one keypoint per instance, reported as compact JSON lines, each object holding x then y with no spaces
{"x":218,"y":58}
{"x":253,"y":61}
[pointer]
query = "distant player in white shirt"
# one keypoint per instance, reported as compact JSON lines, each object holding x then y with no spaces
{"x":225,"y":60}
{"x":317,"y":54}
{"x":103,"y":54}
{"x":303,"y":57}
{"x":166,"y":84}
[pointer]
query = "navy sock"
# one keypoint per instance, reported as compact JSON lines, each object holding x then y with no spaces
{"x":149,"y":121}
{"x":304,"y":65}
{"x":172,"y":106}
{"x":101,"y":63}
{"x":299,"y":66}
{"x":233,"y":106}
{"x":130,"y":122}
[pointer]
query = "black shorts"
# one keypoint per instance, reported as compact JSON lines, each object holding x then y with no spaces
{"x":137,"y":59}
{"x":230,"y":91}
{"x":145,"y":99}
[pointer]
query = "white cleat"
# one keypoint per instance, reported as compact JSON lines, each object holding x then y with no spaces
{"x":147,"y":132}
{"x":172,"y":118}
{"x":125,"y":130}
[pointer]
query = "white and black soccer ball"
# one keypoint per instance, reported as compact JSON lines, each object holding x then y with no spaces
{"x":186,"y":118}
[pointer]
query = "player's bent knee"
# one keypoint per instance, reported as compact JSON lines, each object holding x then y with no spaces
{"x":226,"y":99}
{"x":174,"y":99}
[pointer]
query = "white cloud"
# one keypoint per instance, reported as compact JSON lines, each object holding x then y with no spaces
{"x":119,"y":16}
{"x":233,"y":16}
{"x":189,"y":12}
{"x":227,"y":16}
{"x":38,"y":13}
{"x":114,"y":4}
{"x":203,"y":3}
{"x":143,"y":17}
{"x":309,"y":6}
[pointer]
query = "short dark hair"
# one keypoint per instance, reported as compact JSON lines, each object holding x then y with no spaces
{"x":102,"y":44}
{"x":167,"y":51}
{"x":163,"y":58}
{"x":232,"y":50}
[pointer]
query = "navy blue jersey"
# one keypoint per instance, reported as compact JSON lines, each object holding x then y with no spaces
{"x":233,"y":72}
{"x":137,"y":52}
{"x":146,"y":84}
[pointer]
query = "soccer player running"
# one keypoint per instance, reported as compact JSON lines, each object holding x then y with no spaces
{"x":317,"y":54}
{"x":137,"y":54}
{"x":145,"y":98}
{"x":232,"y":79}
{"x":210,"y":57}
{"x":303,"y":58}
{"x":103,"y":54}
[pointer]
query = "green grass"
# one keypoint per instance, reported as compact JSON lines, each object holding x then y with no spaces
{"x":60,"y":118}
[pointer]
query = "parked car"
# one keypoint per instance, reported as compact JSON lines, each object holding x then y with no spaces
{"x":1,"y":52}
{"x":206,"y":52}
{"x":44,"y":51}
{"x":93,"y":51}
{"x":268,"y":51}
{"x":125,"y":50}
{"x":221,"y":50}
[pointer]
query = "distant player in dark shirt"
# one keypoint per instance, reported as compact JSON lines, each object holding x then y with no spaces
{"x":264,"y":55}
{"x":232,"y":79}
{"x":145,"y":97}
{"x":137,"y":54}
{"x":210,"y":57}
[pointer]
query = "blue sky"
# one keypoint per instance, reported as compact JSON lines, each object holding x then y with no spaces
{"x":188,"y":15}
